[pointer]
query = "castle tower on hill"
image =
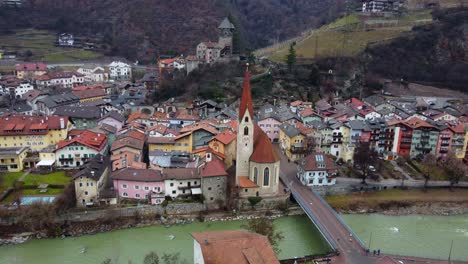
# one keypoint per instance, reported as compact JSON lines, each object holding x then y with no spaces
{"x":257,"y":164}
{"x":226,"y":31}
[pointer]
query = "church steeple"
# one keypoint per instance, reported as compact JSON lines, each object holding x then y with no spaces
{"x":246,"y":99}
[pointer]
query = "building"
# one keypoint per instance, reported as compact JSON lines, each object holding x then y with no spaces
{"x":94,"y":74}
{"x":317,"y":169}
{"x":379,"y":6}
{"x":35,"y":132}
{"x":92,"y":94}
{"x":225,"y":143}
{"x":139,"y":184}
{"x":92,"y":181}
{"x":30,"y":70}
{"x":214,"y":182}
{"x":226,"y":31}
{"x":208,"y":52}
{"x":81,"y":117}
{"x":416,"y":137}
{"x":293,"y":142}
{"x":232,"y":247}
{"x":191,"y":63}
{"x":257,"y":164}
{"x":12,"y":86}
{"x":181,"y":143}
{"x":120,"y":71}
{"x":65,"y":40}
{"x":60,"y":79}
{"x":113,"y":119}
{"x":80,"y":148}
{"x":127,"y":160}
{"x":182,"y":182}
{"x":46,"y":105}
{"x":11,"y":159}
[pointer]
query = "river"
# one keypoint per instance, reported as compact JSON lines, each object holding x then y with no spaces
{"x":425,"y":236}
{"x":413,"y":235}
{"x":300,"y":238}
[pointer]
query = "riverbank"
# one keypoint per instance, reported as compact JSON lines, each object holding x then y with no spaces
{"x":403,"y":202}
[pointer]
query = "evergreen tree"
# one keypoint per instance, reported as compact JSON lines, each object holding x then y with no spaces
{"x":237,"y":46}
{"x":291,"y":57}
{"x":314,"y":76}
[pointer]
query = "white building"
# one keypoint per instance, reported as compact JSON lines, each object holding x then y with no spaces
{"x":317,"y":170}
{"x":182,"y":182}
{"x":64,"y":79}
{"x":120,"y":71}
{"x":75,"y":151}
{"x":208,"y":52}
{"x":94,"y":74}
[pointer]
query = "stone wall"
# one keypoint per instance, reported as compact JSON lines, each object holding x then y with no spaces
{"x":267,"y":203}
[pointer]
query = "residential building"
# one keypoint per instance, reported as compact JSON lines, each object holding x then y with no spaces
{"x":257,"y":164}
{"x":127,"y":160}
{"x":30,"y":70}
{"x":12,"y":86}
{"x":65,"y":40}
{"x":191,"y":63}
{"x":225,"y":143}
{"x":92,"y":182}
{"x":80,"y":148}
{"x":139,"y":184}
{"x":120,"y":71}
{"x":293,"y":142}
{"x":181,"y":142}
{"x":81,"y":117}
{"x":88,"y":95}
{"x":379,"y":6}
{"x":232,"y":247}
{"x":129,"y":144}
{"x":182,"y":182}
{"x":214,"y":182}
{"x":12,"y":158}
{"x":94,"y":74}
{"x":113,"y":119}
{"x":208,"y":52}
{"x":46,"y":105}
{"x":35,"y":132}
{"x":271,"y":126}
{"x":61,"y":79}
{"x":317,"y":169}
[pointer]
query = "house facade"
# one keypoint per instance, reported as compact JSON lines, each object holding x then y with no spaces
{"x":30,"y":70}
{"x":82,"y":147}
{"x":139,"y":184}
{"x":120,"y":71}
{"x":317,"y":169}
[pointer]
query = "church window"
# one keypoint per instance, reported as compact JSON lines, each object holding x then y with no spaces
{"x":266,"y":177}
{"x":246,"y":131}
{"x":246,"y":119}
{"x":255,"y":177}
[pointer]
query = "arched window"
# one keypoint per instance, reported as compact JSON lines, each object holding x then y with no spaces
{"x":255,"y":177}
{"x":246,"y":131}
{"x":246,"y":119}
{"x":266,"y":177}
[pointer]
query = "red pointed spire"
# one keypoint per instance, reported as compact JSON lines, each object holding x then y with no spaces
{"x":246,"y":99}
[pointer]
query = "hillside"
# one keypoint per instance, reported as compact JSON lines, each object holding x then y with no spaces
{"x":141,"y":28}
{"x":436,"y":54}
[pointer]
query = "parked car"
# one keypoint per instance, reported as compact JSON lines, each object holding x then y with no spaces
{"x":372,"y":168}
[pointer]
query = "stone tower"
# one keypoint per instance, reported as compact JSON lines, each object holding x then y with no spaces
{"x":245,"y":133}
{"x":226,"y":30}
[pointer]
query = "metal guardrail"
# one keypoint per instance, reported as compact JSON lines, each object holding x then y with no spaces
{"x":363,"y":245}
{"x":321,"y":229}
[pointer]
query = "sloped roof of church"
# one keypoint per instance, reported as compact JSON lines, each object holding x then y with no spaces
{"x":263,"y":148}
{"x":226,"y":24}
{"x":246,"y":99}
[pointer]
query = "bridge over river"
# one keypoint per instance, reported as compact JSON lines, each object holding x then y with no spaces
{"x":349,"y":248}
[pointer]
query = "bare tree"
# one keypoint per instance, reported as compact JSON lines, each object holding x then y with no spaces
{"x":364,"y":156}
{"x":429,"y":162}
{"x":455,"y":169}
{"x":264,"y":226}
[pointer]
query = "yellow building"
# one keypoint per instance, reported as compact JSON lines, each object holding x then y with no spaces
{"x":30,"y":70}
{"x":167,"y":144}
{"x":225,"y":143}
{"x":35,"y":132}
{"x":293,"y":143}
{"x":11,"y":159}
{"x":89,"y":95}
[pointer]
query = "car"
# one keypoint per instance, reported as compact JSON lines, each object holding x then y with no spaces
{"x":372,"y":168}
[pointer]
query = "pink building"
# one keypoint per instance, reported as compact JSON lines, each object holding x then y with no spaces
{"x":140,"y":184}
{"x":113,"y":119}
{"x":271,"y":127}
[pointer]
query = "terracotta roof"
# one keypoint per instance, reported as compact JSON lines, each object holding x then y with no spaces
{"x":89,"y":93}
{"x":312,"y":161}
{"x":87,"y":138}
{"x":307,"y":112}
{"x":30,"y":124}
{"x":263,"y":148}
{"x":141,"y":175}
{"x":137,"y":115}
{"x":303,"y":129}
{"x":245,"y":182}
{"x":246,"y":99}
{"x":296,"y":103}
{"x":233,"y":124}
{"x":208,"y":149}
{"x":133,"y":134}
{"x":31,"y":67}
{"x":214,"y":168}
{"x":161,"y":140}
{"x":235,"y":247}
{"x":198,"y":126}
{"x":31,"y":95}
{"x":416,"y":123}
{"x":458,"y":128}
{"x":226,"y":137}
{"x":180,"y":173}
{"x":127,"y":142}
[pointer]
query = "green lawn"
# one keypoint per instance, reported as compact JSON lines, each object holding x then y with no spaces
{"x":438,"y":173}
{"x":41,"y":44}
{"x":37,"y":192}
{"x":8,"y":178}
{"x":58,"y":177}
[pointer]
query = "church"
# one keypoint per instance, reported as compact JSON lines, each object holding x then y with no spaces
{"x":257,"y":163}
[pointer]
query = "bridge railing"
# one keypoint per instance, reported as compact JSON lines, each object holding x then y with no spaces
{"x":337,"y":216}
{"x":317,"y":223}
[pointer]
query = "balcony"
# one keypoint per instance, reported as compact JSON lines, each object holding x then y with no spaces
{"x":445,"y":136}
{"x":297,"y":150}
{"x":423,"y":148}
{"x":65,"y":159}
{"x":458,"y":143}
{"x":188,"y":187}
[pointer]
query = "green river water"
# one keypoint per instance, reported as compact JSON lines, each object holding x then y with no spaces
{"x":428,"y":236}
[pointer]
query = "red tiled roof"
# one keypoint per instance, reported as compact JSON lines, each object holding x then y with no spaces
{"x":245,"y":182}
{"x":296,"y":103}
{"x":208,"y":149}
{"x":31,"y":67}
{"x":226,"y":137}
{"x":310,"y":162}
{"x":214,"y":168}
{"x":127,"y":142}
{"x":30,"y":124}
{"x":87,"y":138}
{"x":31,"y":95}
{"x":89,"y":93}
{"x":263,"y":148}
{"x":235,"y":247}
{"x":233,"y":124}
{"x":303,"y":129}
{"x":246,"y":99}
{"x":198,"y":126}
{"x":416,"y":123}
{"x":307,"y":112}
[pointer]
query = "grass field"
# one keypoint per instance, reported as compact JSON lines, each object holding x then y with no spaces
{"x":8,"y":178}
{"x":58,"y":178}
{"x":373,"y":199}
{"x":41,"y":44}
{"x":350,"y":35}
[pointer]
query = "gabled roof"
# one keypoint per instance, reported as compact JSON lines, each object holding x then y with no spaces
{"x":246,"y":99}
{"x":127,"y":142}
{"x":114,"y":115}
{"x":90,"y":112}
{"x":180,"y":173}
{"x":289,"y":130}
{"x":226,"y":24}
{"x":317,"y":161}
{"x":86,"y":138}
{"x":140,"y":175}
{"x":263,"y":148}
{"x":235,"y":247}
{"x":213,"y":168}
{"x":95,"y":168}
{"x":90,"y":93}
{"x":12,"y":124}
{"x":226,"y":137}
{"x":416,"y":123}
